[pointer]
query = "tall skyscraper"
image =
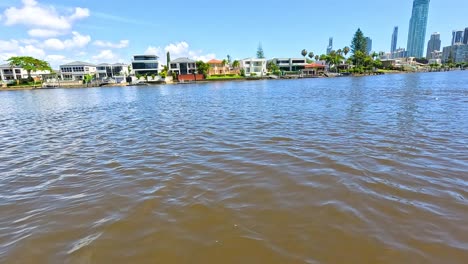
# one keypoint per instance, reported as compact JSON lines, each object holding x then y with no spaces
{"x":417,"y":28}
{"x":394,"y":40}
{"x":465,"y":36}
{"x":457,"y":36}
{"x":433,"y":45}
{"x":368,"y":45}
{"x":330,"y":45}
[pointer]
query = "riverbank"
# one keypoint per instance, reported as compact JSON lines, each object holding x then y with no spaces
{"x":245,"y":79}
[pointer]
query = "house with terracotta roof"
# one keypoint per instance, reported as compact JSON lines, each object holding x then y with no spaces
{"x":313,"y":69}
{"x":217,"y":67}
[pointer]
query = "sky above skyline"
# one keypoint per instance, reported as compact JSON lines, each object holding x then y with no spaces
{"x":113,"y":31}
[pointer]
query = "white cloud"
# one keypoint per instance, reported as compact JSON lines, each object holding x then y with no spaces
{"x":9,"y":45}
{"x":153,"y":51}
{"x":45,"y":21}
{"x":44,"y":33}
{"x":77,"y":41}
{"x":106,"y":44}
{"x":79,"y":13}
{"x":178,"y":50}
{"x":105,"y":55}
{"x":13,"y":48}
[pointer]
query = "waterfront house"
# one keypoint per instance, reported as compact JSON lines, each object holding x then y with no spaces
{"x":146,"y":65}
{"x":254,"y":66}
{"x":183,"y":66}
{"x":313,"y":69}
{"x":290,"y":64}
{"x":218,"y":67}
{"x":8,"y":73}
{"x":76,"y":71}
{"x":117,"y":71}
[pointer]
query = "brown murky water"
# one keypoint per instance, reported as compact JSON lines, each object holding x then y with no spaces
{"x":346,"y":170}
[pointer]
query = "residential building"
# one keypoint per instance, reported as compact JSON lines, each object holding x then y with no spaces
{"x":417,"y":28}
{"x":118,"y":71}
{"x":7,"y":73}
{"x":330,"y":45}
{"x":106,"y":70}
{"x":254,"y":66}
{"x":465,"y":36}
{"x":313,"y":69}
{"x":457,"y":37}
{"x":77,"y":70}
{"x":433,"y":45}
{"x":393,"y":46}
{"x":368,"y":45}
{"x":290,"y":64}
{"x":435,"y":61}
{"x":436,"y":54}
{"x":183,"y":66}
{"x":458,"y":53}
{"x":146,"y":65}
{"x":220,"y":67}
{"x":400,"y":53}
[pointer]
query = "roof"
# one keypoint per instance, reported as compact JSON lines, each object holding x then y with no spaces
{"x":182,"y":60}
{"x":109,"y":64}
{"x":215,"y":61}
{"x":253,"y":59}
{"x":79,"y":63}
{"x":314,"y":65}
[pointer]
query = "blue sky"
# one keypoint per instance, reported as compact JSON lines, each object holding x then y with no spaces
{"x":111,"y":31}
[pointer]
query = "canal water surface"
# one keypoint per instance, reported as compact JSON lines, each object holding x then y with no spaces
{"x":342,"y":170}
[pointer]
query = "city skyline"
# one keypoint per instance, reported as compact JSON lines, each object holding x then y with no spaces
{"x":90,"y":31}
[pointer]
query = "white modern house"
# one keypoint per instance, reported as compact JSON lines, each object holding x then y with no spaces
{"x":8,"y":73}
{"x":118,"y":71}
{"x":290,"y":64}
{"x":146,"y":65}
{"x":254,"y":66}
{"x":183,"y":66}
{"x":76,"y":71}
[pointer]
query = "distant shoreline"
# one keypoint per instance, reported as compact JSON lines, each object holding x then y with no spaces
{"x":29,"y":88}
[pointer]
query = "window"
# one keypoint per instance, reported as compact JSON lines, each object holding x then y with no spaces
{"x":173,"y":66}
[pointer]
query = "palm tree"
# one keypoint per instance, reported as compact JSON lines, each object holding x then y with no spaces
{"x":304,"y":52}
{"x":311,"y":55}
{"x":317,"y":57}
{"x":374,"y":55}
{"x":339,"y":51}
{"x":236,"y":64}
{"x":346,"y":50}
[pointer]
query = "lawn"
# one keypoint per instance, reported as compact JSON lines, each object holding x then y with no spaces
{"x":224,"y":77}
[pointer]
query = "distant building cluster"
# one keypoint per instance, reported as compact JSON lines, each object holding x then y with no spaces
{"x":457,"y":52}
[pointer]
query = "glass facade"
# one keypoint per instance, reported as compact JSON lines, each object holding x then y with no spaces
{"x":394,"y":40}
{"x":433,"y":45}
{"x":417,"y":28}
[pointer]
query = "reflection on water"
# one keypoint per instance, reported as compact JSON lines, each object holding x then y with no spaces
{"x":367,"y":170}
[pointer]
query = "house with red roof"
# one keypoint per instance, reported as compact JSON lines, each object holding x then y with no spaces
{"x":219,"y":67}
{"x":313,"y":69}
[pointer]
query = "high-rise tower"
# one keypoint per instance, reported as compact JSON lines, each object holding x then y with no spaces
{"x":393,"y":46}
{"x":417,"y":28}
{"x":433,"y":45}
{"x":330,"y":45}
